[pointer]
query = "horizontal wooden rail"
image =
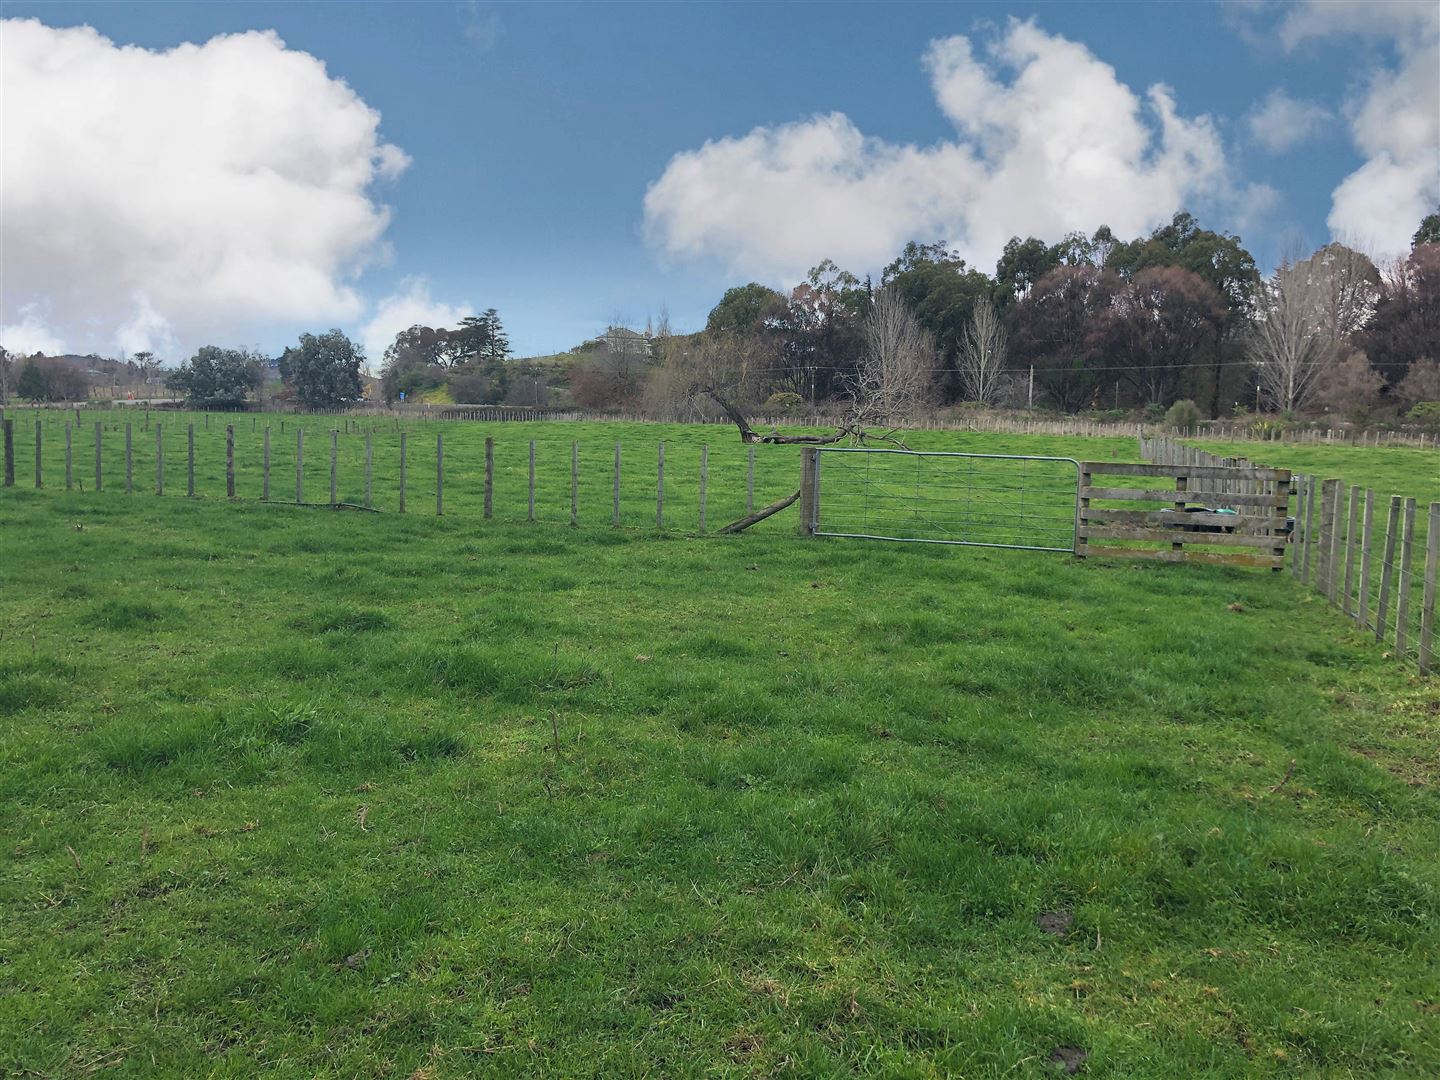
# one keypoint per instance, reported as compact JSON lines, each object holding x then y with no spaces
{"x":1259,"y":562}
{"x":1171,"y":536}
{"x":1107,"y":516}
{"x":1156,"y":495}
{"x":1207,"y":472}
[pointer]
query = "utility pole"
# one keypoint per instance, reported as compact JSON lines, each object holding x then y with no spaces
{"x":1030,"y":399}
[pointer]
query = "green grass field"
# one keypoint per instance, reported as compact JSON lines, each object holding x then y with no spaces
{"x":340,"y":794}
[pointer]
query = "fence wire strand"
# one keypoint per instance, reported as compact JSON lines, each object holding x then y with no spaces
{"x":966,"y":499}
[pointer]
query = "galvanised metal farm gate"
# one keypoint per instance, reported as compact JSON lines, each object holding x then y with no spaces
{"x":976,"y":500}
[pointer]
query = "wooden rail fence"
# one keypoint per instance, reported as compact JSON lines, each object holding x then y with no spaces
{"x":1359,"y":551}
{"x":1252,"y":517}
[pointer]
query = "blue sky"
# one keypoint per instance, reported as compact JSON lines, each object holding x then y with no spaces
{"x":534,"y":131}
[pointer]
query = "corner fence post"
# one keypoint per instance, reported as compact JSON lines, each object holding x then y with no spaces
{"x":809,"y":489}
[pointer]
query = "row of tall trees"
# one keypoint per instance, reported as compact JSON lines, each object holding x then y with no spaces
{"x":1089,"y":322}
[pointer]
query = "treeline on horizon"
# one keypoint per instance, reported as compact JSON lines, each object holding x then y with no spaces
{"x":1090,"y":323}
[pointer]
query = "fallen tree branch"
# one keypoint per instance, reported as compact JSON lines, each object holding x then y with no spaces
{"x":805,"y":440}
{"x":334,"y":506}
{"x":750,"y":435}
{"x":759,"y":515}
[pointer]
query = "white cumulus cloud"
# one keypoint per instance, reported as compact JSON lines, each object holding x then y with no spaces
{"x":1394,"y":119}
{"x":30,"y":333}
{"x":160,"y":198}
{"x":411,"y":306}
{"x":1048,"y":139}
{"x":1281,"y":122}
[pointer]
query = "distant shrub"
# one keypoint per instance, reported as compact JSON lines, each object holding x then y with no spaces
{"x":1425,"y":412}
{"x":1184,"y":415}
{"x":782,"y":402}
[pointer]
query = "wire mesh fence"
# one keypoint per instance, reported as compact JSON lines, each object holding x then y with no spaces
{"x":977,"y":500}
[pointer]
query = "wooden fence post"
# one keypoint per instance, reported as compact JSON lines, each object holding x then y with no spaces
{"x":750,"y":483}
{"x":159,"y":459}
{"x":98,"y":438}
{"x":1387,"y":567}
{"x":265,"y":465}
{"x":809,"y":489}
{"x":615,"y":497}
{"x":660,"y":489}
{"x":9,"y":426}
{"x":334,"y":454}
{"x":402,"y":472}
{"x":39,"y":480}
{"x":574,"y":482}
{"x":1405,"y":583}
{"x":531,"y":515}
{"x":190,"y":460}
{"x":1297,"y":531}
{"x":439,"y":474}
{"x":704,"y":481}
{"x":369,"y":461}
{"x":1362,"y":615}
{"x":1309,"y":527}
{"x":129,"y":461}
{"x":1349,"y":605}
{"x":230,"y":461}
{"x":69,"y":463}
{"x":1427,"y":600}
{"x":489,"y":478}
{"x":1331,"y":526}
{"x":299,"y":466}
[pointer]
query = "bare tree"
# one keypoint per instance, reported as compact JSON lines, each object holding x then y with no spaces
{"x":894,"y":376}
{"x":1289,"y":343}
{"x":982,"y":354}
{"x":1349,"y":385}
{"x":1346,"y":288}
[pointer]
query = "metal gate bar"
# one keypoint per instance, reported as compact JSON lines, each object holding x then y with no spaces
{"x":925,"y":497}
